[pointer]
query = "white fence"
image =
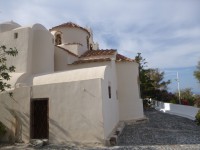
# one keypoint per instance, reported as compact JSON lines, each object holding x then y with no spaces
{"x":176,"y":109}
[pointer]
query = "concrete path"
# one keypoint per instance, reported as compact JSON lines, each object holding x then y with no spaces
{"x":161,"y":132}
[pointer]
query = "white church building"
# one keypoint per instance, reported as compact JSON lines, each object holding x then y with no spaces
{"x":65,"y":88}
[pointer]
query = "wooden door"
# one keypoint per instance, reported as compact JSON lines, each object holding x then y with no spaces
{"x":39,"y":123}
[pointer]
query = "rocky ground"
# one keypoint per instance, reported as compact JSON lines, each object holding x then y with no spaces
{"x":161,"y":132}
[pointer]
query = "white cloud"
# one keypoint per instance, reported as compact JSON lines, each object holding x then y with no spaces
{"x":188,"y":33}
{"x":166,"y":33}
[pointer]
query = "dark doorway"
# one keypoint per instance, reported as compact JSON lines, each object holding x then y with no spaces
{"x":39,"y":124}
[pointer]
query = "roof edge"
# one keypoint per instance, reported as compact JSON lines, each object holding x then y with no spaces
{"x":66,"y":50}
{"x":69,"y":25}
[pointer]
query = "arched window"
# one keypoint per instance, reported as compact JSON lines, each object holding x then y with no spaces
{"x":58,"y":39}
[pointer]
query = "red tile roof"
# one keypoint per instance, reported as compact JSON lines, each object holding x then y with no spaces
{"x":98,"y":53}
{"x":66,"y":50}
{"x":69,"y":25}
{"x":120,"y":57}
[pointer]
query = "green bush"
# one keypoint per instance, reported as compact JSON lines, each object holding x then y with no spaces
{"x":173,"y":101}
{"x":197,"y":102}
{"x":191,"y":101}
{"x":198,"y":118}
{"x":2,"y":129}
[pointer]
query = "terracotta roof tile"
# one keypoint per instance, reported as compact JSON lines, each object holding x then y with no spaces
{"x":122,"y":58}
{"x":119,"y":57}
{"x":66,"y":50}
{"x":91,"y":61}
{"x":98,"y":53}
{"x":69,"y":25}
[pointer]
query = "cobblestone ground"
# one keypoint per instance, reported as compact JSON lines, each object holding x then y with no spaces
{"x":161,"y":132}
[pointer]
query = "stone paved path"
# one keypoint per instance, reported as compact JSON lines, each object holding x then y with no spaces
{"x":162,"y":132}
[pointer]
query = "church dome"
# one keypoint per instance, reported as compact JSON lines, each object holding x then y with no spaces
{"x":7,"y":26}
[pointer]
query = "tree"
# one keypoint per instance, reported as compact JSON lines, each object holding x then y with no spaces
{"x":197,"y":72}
{"x":151,"y":80}
{"x":157,"y":78}
{"x":141,"y":61}
{"x":4,"y":69}
{"x":145,"y":81}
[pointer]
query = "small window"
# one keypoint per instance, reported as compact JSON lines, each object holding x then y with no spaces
{"x":109,"y":91}
{"x":15,"y":35}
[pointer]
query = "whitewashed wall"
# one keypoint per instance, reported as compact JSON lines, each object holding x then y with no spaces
{"x":35,"y":49}
{"x":176,"y":109}
{"x":42,"y":50}
{"x":71,"y":35}
{"x":62,"y":58}
{"x":75,"y":114}
{"x":130,"y":104}
{"x":15,"y":115}
{"x":23,"y":43}
{"x":110,"y":107}
{"x":75,"y":111}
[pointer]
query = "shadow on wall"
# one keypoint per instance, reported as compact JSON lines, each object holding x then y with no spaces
{"x":6,"y":135}
{"x":54,"y":135}
{"x":19,"y":126}
{"x":59,"y":135}
{"x":92,"y":124}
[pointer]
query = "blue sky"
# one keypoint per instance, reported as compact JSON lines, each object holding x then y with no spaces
{"x":166,"y":32}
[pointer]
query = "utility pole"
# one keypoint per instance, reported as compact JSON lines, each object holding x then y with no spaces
{"x":179,"y":93}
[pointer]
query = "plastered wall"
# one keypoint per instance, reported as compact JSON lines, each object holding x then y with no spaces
{"x":62,"y":59}
{"x":75,"y":111}
{"x":110,"y":105}
{"x":130,"y":104}
{"x":15,"y":115}
{"x":74,"y":35}
{"x":24,"y":46}
{"x":42,"y":51}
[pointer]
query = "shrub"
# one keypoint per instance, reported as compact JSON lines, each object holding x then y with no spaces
{"x":174,"y":101}
{"x":197,"y":103}
{"x":191,"y":101}
{"x":184,"y":102}
{"x":197,"y":117}
{"x":165,"y":96}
